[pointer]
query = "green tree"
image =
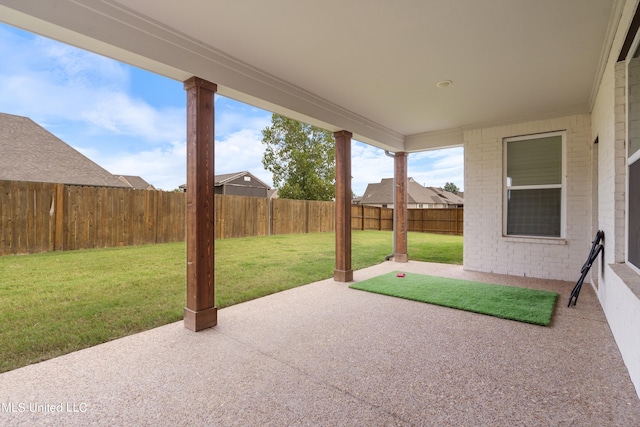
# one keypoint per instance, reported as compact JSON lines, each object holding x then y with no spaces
{"x":301,"y":158}
{"x":451,"y":188}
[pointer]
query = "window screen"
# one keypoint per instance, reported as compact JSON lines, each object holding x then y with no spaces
{"x":534,"y":212}
{"x":534,"y":185}
{"x":535,"y":161}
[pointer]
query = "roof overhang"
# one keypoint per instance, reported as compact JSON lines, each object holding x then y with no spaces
{"x":366,"y":66}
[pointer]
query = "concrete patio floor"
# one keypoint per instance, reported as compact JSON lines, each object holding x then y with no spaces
{"x":323,"y":354}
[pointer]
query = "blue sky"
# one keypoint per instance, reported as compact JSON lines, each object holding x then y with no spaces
{"x":132,"y":122}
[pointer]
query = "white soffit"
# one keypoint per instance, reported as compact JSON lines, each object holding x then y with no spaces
{"x":434,"y":140}
{"x":367,"y":66}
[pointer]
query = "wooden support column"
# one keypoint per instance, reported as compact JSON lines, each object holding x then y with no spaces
{"x":400,"y":210}
{"x":200,"y":312}
{"x":343,"y":271}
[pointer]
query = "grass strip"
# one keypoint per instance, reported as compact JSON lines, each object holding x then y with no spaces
{"x":507,"y":302}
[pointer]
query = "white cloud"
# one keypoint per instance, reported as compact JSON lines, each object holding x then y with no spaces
{"x":240,"y":151}
{"x":118,"y":113}
{"x":73,"y":67}
{"x":164,"y":166}
{"x":368,"y":165}
{"x":229,"y":121}
{"x":239,"y":138}
{"x":57,"y":82}
{"x":436,"y":168}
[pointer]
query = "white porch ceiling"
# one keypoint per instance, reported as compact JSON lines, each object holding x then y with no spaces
{"x":367,"y":66}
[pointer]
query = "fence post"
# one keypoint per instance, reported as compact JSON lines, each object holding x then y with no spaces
{"x":270,"y":217}
{"x":306,"y":216}
{"x":156,"y":220}
{"x":58,"y":237}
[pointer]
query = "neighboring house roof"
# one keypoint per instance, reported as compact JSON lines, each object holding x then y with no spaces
{"x":135,"y":182}
{"x":420,"y":194}
{"x":382,"y":193}
{"x":378,"y":193}
{"x":272,"y":193}
{"x":28,"y":152}
{"x":228,"y":177}
{"x":223,"y":179}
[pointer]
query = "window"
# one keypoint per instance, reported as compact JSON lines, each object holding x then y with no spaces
{"x":634,"y":215}
{"x":534,"y":185}
{"x":633,"y":159}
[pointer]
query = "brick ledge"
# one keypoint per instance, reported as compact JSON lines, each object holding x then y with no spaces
{"x":538,"y":240}
{"x":629,"y":276}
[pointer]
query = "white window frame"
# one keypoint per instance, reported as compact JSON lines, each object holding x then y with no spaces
{"x":563,"y":185}
{"x":630,"y":160}
{"x":635,"y":157}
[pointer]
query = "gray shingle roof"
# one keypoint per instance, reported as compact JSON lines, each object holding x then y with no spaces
{"x":226,"y":177}
{"x":382,"y":193}
{"x":136,"y":182}
{"x":379,"y":193}
{"x":221,"y":179}
{"x":28,"y":152}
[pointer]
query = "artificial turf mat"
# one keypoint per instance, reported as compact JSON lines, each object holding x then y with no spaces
{"x":507,"y":302}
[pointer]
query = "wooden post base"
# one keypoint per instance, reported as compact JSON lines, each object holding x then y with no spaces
{"x":400,"y":257}
{"x":199,"y":320}
{"x":343,"y":275}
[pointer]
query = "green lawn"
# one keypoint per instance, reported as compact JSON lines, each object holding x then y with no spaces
{"x":58,"y":302}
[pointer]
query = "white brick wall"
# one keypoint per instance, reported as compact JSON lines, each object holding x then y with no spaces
{"x":485,"y":248}
{"x":615,"y":279}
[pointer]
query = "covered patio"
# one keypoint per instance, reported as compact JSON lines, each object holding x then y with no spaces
{"x":338,"y":356}
{"x":404,"y":77}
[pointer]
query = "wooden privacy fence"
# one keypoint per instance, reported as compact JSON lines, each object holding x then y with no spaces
{"x":238,"y":216}
{"x":302,"y":216}
{"x":442,"y":221}
{"x":39,"y":217}
{"x":371,"y":218}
